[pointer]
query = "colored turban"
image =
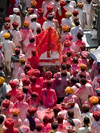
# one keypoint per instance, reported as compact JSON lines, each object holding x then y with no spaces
{"x":32,"y":110}
{"x":25,"y":81}
{"x":50,"y":15}
{"x":31,"y":72}
{"x":48,"y":75}
{"x":15,"y":24}
{"x":93,"y":99}
{"x":33,"y":16}
{"x":6,"y":103}
{"x":82,"y":66}
{"x":98,"y":91}
{"x":22,"y":59}
{"x":75,"y":12}
{"x":62,"y":3}
{"x":26,"y":23}
{"x":49,"y":7}
{"x":9,"y":123}
{"x":6,"y":35}
{"x":67,"y":43}
{"x":68,"y":14}
{"x":65,"y":28}
{"x":7,"y":19}
{"x":69,"y":37}
{"x":69,"y":90}
{"x":12,"y":2}
{"x":98,"y":79}
{"x":13,"y":84}
{"x":0,"y":46}
{"x":15,"y":111}
{"x":85,"y":106}
{"x":24,"y":129}
{"x":34,"y":94}
{"x":30,"y":10}
{"x":27,"y":66}
{"x":20,"y":96}
{"x":80,"y":4}
{"x":33,"y":79}
{"x":17,"y":49}
{"x":33,"y":3}
{"x":40,"y":11}
{"x":71,"y":102}
{"x":82,"y":74}
{"x":16,"y":10}
{"x":96,"y":114}
{"x":85,"y":54}
{"x":2,"y":80}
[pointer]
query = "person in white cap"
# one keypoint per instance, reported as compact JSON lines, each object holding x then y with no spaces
{"x":24,"y":129}
{"x":15,"y":17}
{"x":34,"y":25}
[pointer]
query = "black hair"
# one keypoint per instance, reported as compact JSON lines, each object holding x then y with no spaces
{"x":77,"y":23}
{"x":63,"y":67}
{"x":54,"y":125}
{"x":1,"y":119}
{"x":25,"y":89}
{"x":83,"y":81}
{"x":86,"y":120}
{"x":1,"y":67}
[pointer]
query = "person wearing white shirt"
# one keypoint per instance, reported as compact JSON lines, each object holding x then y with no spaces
{"x":15,"y":17}
{"x":54,"y":126}
{"x":69,"y":7}
{"x":49,"y":22}
{"x":34,"y":25}
{"x":67,"y":20}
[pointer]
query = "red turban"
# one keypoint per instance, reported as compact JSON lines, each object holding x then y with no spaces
{"x":34,"y":94}
{"x":30,"y":72}
{"x":48,"y":75}
{"x":96,"y":114}
{"x":75,"y":12}
{"x":62,"y":3}
{"x":17,"y":49}
{"x":40,"y":11}
{"x":32,"y":110}
{"x":37,"y":73}
{"x":67,"y":43}
{"x":25,"y":81}
{"x":20,"y":96}
{"x":13,"y":84}
{"x":33,"y":79}
{"x":27,"y":66}
{"x":82,"y":74}
{"x":98,"y":79}
{"x":9,"y":123}
{"x":7,"y":19}
{"x":12,"y":2}
{"x":6,"y":103}
{"x":49,"y":7}
{"x":15,"y":24}
{"x":69,"y":37}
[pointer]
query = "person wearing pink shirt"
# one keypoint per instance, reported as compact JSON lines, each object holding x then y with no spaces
{"x":33,"y":86}
{"x":21,"y":105}
{"x":30,"y":120}
{"x":79,"y":44}
{"x":14,"y":91}
{"x":61,"y":127}
{"x":33,"y":100}
{"x":30,"y":47}
{"x":34,"y":64}
{"x":26,"y":33}
{"x":46,"y":126}
{"x":84,"y":91}
{"x":48,"y":96}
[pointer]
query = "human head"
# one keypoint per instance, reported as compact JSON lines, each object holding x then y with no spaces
{"x":82,"y":67}
{"x":40,"y":11}
{"x":68,"y":14}
{"x":88,"y":1}
{"x":38,"y":128}
{"x":56,"y":110}
{"x":33,"y":17}
{"x":25,"y":81}
{"x":96,"y":115}
{"x":77,"y":23}
{"x":79,"y":36}
{"x":65,"y":28}
{"x":31,"y":39}
{"x":83,"y":81}
{"x":13,"y":84}
{"x":20,"y":96}
{"x":60,"y":118}
{"x":6,"y":35}
{"x":38,"y":30}
{"x":48,"y":83}
{"x":27,"y":68}
{"x":12,"y":2}
{"x":54,"y":125}
{"x":71,"y":114}
{"x":9,"y":123}
{"x":8,"y":95}
{"x":64,"y":73}
{"x":32,"y":111}
{"x":85,"y":108}
{"x":62,"y":3}
{"x":86,"y":121}
{"x":6,"y":103}
{"x":50,"y":16}
{"x":34,"y":95}
{"x":15,"y":112}
{"x":7,"y":19}
{"x":49,"y":8}
{"x":15,"y":25}
{"x":26,"y":24}
{"x":74,"y":80}
{"x":17,"y":51}
{"x":25,"y":89}
{"x":75,"y":60}
{"x":1,"y":67}
{"x":16,"y":10}
{"x":69,"y":90}
{"x":75,"y":13}
{"x":33,"y":79}
{"x":63,"y":67}
{"x":30,"y":11}
{"x":1,"y":119}
{"x":2,"y":80}
{"x":45,"y":119}
{"x":48,"y":75}
{"x":33,"y":52}
{"x":33,"y":3}
{"x":80,"y":4}
{"x":94,"y":100}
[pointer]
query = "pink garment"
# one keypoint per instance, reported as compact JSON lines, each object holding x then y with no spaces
{"x":55,"y":21}
{"x":14,"y":92}
{"x":48,"y":97}
{"x":67,"y":49}
{"x":12,"y":130}
{"x":26,"y":34}
{"x":23,"y":106}
{"x":84,"y":61}
{"x":39,"y":81}
{"x":83,"y":92}
{"x":17,"y":123}
{"x":46,"y":127}
{"x":33,"y":61}
{"x":20,"y":71}
{"x":58,"y":75}
{"x":34,"y":88}
{"x":94,"y":71}
{"x":27,"y":18}
{"x":28,"y":50}
{"x":34,"y":103}
{"x":62,"y":128}
{"x":87,"y":75}
{"x":71,"y":96}
{"x":1,"y":59}
{"x":63,"y":37}
{"x":78,"y":45}
{"x":74,"y":68}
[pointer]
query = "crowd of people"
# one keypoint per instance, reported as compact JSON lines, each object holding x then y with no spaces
{"x":55,"y":85}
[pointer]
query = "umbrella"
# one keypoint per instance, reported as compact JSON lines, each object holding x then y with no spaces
{"x":95,"y":55}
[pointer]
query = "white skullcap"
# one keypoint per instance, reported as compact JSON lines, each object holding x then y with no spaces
{"x":24,"y":129}
{"x":16,"y":10}
{"x":33,"y":16}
